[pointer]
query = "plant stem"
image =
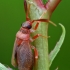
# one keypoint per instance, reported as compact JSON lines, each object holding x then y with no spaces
{"x":35,"y":12}
{"x":41,"y":43}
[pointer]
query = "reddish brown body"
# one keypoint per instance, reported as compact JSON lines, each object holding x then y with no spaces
{"x":22,"y":52}
{"x":25,"y":56}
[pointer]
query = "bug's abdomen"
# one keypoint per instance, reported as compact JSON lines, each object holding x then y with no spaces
{"x":24,"y":57}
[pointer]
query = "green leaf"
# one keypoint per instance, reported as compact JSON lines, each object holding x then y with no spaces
{"x":2,"y":67}
{"x":56,"y":49}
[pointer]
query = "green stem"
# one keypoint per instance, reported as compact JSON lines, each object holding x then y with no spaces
{"x":40,"y":43}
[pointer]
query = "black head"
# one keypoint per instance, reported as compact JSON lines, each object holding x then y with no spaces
{"x":27,"y":25}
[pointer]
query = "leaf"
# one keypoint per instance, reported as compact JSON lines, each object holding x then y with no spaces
{"x":2,"y":67}
{"x":57,"y":47}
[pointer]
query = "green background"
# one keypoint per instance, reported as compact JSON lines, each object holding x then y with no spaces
{"x":12,"y":15}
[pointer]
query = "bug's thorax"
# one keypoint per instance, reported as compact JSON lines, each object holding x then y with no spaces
{"x":23,"y":34}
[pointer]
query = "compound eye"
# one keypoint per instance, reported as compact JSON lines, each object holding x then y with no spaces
{"x":29,"y":26}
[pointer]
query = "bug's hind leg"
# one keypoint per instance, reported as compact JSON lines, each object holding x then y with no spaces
{"x":35,"y":57}
{"x":35,"y":54}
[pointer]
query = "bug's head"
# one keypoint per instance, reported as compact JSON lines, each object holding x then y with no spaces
{"x":27,"y":25}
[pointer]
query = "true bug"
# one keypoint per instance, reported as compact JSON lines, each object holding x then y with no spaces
{"x":22,"y":52}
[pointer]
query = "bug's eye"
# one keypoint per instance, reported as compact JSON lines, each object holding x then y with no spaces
{"x":29,"y":27}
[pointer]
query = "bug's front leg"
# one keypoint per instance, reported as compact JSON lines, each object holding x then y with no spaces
{"x":44,"y":20}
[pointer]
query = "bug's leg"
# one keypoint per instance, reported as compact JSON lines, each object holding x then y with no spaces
{"x":19,"y":41}
{"x":36,"y":26}
{"x":36,"y":36}
{"x":44,"y":20}
{"x":35,"y":52}
{"x":26,"y":7}
{"x":35,"y":56}
{"x":34,"y":29}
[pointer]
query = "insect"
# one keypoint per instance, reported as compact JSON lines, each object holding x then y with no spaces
{"x":23,"y":56}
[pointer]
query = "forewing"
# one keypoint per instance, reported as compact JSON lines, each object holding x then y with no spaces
{"x":13,"y":60}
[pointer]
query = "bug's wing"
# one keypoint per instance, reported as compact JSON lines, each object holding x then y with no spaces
{"x":13,"y":60}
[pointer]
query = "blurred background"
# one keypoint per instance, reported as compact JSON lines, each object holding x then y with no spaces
{"x":12,"y":15}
